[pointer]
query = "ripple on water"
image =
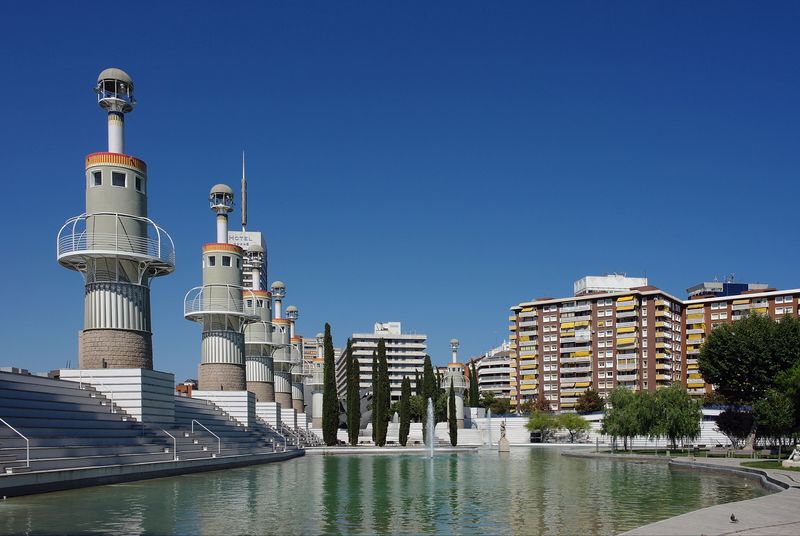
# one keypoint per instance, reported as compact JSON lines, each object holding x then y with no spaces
{"x":530,"y":491}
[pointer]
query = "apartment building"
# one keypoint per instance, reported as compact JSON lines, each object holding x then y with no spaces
{"x":405,"y":356}
{"x":616,"y":331}
{"x":497,"y":371}
{"x":702,"y":314}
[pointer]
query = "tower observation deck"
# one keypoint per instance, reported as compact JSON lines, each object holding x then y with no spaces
{"x":114,"y":245}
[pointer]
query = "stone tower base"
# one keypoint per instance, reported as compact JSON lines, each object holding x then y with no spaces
{"x":221,"y":377}
{"x":115,"y":348}
{"x":284,"y":399}
{"x":264,"y":391}
{"x":298,"y":405}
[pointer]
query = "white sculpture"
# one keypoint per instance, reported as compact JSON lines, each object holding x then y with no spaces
{"x":794,"y":458}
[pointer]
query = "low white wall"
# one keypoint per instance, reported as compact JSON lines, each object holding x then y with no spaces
{"x":146,"y":395}
{"x":241,"y":405}
{"x":289,"y":417}
{"x":270,"y":412}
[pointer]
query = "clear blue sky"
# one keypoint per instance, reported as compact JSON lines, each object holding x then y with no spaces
{"x":427,"y":162}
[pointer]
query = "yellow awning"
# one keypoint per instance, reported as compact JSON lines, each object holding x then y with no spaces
{"x":527,"y":309}
{"x":567,"y":385}
{"x":626,"y":340}
{"x":695,"y":306}
{"x":583,"y":384}
{"x":584,"y":353}
{"x":760,"y":310}
{"x":512,"y":327}
{"x":695,"y":376}
{"x":529,"y":367}
{"x":695,"y":316}
{"x":694,"y":336}
{"x":567,"y":333}
{"x":625,"y":308}
{"x":696,"y":385}
{"x":581,"y":323}
{"x":567,"y":325}
{"x":740,"y":302}
{"x":630,"y":329}
{"x":624,"y":298}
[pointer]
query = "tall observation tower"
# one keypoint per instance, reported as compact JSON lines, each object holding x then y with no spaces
{"x":282,"y":356}
{"x":221,"y":305}
{"x":114,"y":245}
{"x":455,"y":374}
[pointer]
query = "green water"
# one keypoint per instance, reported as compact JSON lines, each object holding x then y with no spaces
{"x":529,"y":491}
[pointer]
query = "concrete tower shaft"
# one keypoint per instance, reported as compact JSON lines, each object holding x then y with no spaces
{"x":115,"y":245}
{"x":258,"y":350}
{"x":282,"y":359}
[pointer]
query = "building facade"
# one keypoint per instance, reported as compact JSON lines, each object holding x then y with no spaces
{"x":497,"y":371}
{"x":639,"y":337}
{"x":405,"y":356}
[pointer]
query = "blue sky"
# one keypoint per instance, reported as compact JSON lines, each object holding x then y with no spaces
{"x":432,"y":163}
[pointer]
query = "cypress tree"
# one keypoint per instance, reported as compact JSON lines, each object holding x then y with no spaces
{"x":405,"y":410}
{"x":382,"y":419}
{"x":474,"y":395}
{"x":428,"y":392}
{"x":353,"y":396}
{"x":451,"y":415}
{"x":356,"y":408}
{"x":417,"y":384}
{"x":330,"y":402}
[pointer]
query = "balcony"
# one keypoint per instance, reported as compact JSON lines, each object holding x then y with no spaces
{"x":627,"y":314}
{"x":528,"y":314}
{"x":629,"y":324}
{"x":128,"y":237}
{"x":627,"y":377}
{"x":528,"y":323}
{"x":528,"y":333}
{"x":218,"y":300}
{"x":576,"y":370}
{"x":575,"y":379}
{"x":573,"y":349}
{"x":627,"y":366}
{"x":695,"y":331}
{"x":576,"y":308}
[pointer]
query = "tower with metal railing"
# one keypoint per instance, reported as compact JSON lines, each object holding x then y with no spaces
{"x":296,"y":355}
{"x":455,"y":374}
{"x":221,"y":305}
{"x":258,"y":335}
{"x":114,"y":245}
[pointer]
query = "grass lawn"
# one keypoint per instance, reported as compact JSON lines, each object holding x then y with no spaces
{"x":769,"y":465}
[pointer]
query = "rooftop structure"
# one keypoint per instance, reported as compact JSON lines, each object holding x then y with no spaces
{"x":709,"y":289}
{"x":592,"y":284}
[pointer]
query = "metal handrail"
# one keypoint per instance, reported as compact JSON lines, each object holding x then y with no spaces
{"x":198,"y":302}
{"x":111,"y":391}
{"x":71,"y":238}
{"x":27,"y":443}
{"x":174,"y":445}
{"x":275,"y":430}
{"x":219,"y":443}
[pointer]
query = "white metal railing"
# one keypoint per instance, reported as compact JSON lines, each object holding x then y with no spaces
{"x":74,"y":237}
{"x":27,"y":443}
{"x":222,"y":299}
{"x":102,"y":385}
{"x":275,"y":430}
{"x":219,"y":443}
{"x":174,"y":445}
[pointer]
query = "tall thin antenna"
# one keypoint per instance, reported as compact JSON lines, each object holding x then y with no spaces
{"x":244,"y":197}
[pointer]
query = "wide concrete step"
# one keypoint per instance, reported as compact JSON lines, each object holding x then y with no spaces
{"x":23,"y":423}
{"x":95,"y":461}
{"x":65,"y":412}
{"x":84,"y":450}
{"x":78,"y":397}
{"x":37,"y":404}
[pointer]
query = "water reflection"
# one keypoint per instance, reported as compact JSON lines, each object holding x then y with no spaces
{"x":527,"y":491}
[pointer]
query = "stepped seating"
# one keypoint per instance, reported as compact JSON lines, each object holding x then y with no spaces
{"x":68,"y":425}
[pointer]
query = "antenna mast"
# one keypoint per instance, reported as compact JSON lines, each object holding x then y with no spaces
{"x":244,"y":197}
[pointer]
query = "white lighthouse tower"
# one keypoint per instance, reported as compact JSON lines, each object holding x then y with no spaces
{"x":220,"y":305}
{"x":258,"y":335}
{"x":114,"y":245}
{"x":455,"y":374}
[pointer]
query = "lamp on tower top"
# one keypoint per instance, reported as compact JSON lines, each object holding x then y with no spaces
{"x":221,"y":202}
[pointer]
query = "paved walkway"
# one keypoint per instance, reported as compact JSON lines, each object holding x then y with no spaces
{"x":775,"y":514}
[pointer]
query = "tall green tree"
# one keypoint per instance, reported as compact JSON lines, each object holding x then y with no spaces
{"x":619,"y":416}
{"x":348,"y":362}
{"x":744,"y":358}
{"x":428,"y":392}
{"x":381,"y":400}
{"x":735,"y":425}
{"x":474,"y":393}
{"x":375,"y":395}
{"x":542,"y":422}
{"x":774,"y":416}
{"x":646,"y":414}
{"x":451,"y":415}
{"x":330,"y":402}
{"x":678,"y":415}
{"x":353,"y":397}
{"x":417,"y":384}
{"x":405,"y":410}
{"x":590,"y":401}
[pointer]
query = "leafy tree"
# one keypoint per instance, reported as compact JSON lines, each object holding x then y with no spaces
{"x":713,"y":398}
{"x":744,"y":358}
{"x":775,"y":416}
{"x":487,"y":399}
{"x":735,"y":425}
{"x":590,"y":401}
{"x":542,"y":422}
{"x":646,"y":415}
{"x":405,"y":410}
{"x":574,"y":424}
{"x":417,"y":384}
{"x":474,"y":394}
{"x":619,"y":418}
{"x":451,"y":415}
{"x":678,"y":415}
{"x":417,"y":408}
{"x":330,"y":401}
{"x":381,"y":398}
{"x":501,"y":406}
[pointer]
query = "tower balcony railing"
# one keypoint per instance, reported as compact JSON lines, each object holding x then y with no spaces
{"x":114,"y":234}
{"x":218,"y":299}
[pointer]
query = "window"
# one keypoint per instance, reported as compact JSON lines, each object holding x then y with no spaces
{"x":259,"y":303}
{"x":97,"y":178}
{"x":139,"y":184}
{"x":226,"y":260}
{"x":212,"y":260}
{"x":118,"y":179}
{"x":238,"y":262}
{"x":249,"y":303}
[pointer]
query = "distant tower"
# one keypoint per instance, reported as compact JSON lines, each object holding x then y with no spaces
{"x":220,"y":306}
{"x":114,"y":244}
{"x":455,"y":373}
{"x":258,"y":335}
{"x":298,"y":401}
{"x":282,"y":356}
{"x":317,"y":384}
